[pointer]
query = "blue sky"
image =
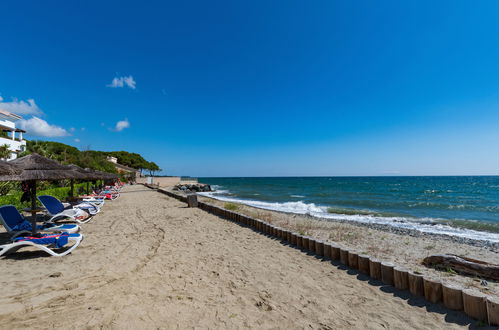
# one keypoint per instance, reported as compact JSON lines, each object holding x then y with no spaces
{"x":261,"y":88}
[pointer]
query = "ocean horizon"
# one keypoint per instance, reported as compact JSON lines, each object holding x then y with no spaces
{"x":462,"y":206}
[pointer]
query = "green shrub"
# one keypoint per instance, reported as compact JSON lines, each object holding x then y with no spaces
{"x":231,"y":206}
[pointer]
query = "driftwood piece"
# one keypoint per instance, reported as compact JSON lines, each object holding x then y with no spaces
{"x":463,"y":265}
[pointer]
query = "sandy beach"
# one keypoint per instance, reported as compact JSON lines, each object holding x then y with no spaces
{"x":385,"y":243}
{"x":149,"y":262}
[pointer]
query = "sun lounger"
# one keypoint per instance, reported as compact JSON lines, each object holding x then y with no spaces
{"x":58,"y":212}
{"x":45,"y":243}
{"x":17,"y":225}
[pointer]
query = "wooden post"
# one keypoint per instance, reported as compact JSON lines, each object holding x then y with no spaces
{"x":364,"y":264}
{"x":344,"y":256}
{"x":311,"y":245}
{"x":400,"y":279}
{"x":475,"y":305}
{"x":299,"y":241}
{"x":335,"y":252}
{"x":353,"y":259}
{"x":304,"y":242}
{"x":416,"y":286}
{"x":293,"y":238}
{"x":432,"y":290}
{"x":375,"y":268}
{"x":493,"y":310}
{"x":319,"y":248}
{"x":327,"y":250}
{"x":387,"y":273}
{"x":452,"y":297}
{"x":290,"y":237}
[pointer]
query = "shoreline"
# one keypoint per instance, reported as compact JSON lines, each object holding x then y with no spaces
{"x":405,"y":247}
{"x":492,"y":246}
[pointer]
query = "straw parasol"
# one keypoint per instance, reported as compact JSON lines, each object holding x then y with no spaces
{"x":37,"y":168}
{"x":7,"y":168}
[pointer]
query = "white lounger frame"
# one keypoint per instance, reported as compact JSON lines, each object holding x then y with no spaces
{"x":13,"y":247}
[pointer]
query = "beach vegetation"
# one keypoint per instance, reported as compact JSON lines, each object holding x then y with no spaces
{"x":429,"y":247}
{"x":4,"y":151}
{"x":231,"y":206}
{"x":13,"y":197}
{"x":96,"y":160}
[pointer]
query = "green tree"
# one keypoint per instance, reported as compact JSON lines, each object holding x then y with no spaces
{"x":5,"y":152}
{"x":152,"y":167}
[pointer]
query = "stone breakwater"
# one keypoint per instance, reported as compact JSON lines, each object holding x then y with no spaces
{"x":196,"y":187}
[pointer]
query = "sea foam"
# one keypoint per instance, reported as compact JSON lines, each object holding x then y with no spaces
{"x":425,"y":225}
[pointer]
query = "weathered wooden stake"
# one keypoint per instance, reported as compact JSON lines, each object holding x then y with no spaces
{"x":400,"y":279}
{"x":493,"y":310}
{"x":353,"y":259}
{"x":364,"y":264}
{"x":319,"y":248}
{"x":475,"y":305}
{"x":387,"y":273}
{"x":452,"y":296}
{"x":335,"y":252}
{"x":311,"y":245}
{"x":432,"y":290}
{"x":299,"y":241}
{"x":416,"y":286}
{"x":344,"y":256}
{"x":375,"y":268}
{"x":327,"y":250}
{"x":304,"y":242}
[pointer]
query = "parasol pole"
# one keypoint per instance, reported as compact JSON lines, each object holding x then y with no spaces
{"x":32,"y":184}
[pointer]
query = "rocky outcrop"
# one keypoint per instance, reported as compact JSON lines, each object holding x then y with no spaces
{"x":198,"y":187}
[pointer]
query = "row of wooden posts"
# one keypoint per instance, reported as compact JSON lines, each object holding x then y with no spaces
{"x":475,"y":304}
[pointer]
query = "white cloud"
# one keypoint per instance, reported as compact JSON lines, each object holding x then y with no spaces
{"x":120,"y":82}
{"x":39,"y":127}
{"x":77,"y":140}
{"x":121,"y":125}
{"x":71,"y":129}
{"x":21,"y":107}
{"x":82,"y":129}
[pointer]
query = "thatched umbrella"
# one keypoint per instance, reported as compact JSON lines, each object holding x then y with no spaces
{"x":82,"y":173}
{"x":7,"y":168}
{"x":37,"y":168}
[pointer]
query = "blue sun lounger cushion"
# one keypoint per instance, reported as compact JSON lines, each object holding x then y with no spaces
{"x":15,"y":223}
{"x":56,"y":240}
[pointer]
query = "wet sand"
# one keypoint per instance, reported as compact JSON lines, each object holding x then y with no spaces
{"x":148,"y":262}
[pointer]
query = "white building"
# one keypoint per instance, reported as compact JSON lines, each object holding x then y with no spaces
{"x":12,"y":136}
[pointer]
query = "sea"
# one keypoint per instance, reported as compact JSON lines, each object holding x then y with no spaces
{"x":462,"y":206}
